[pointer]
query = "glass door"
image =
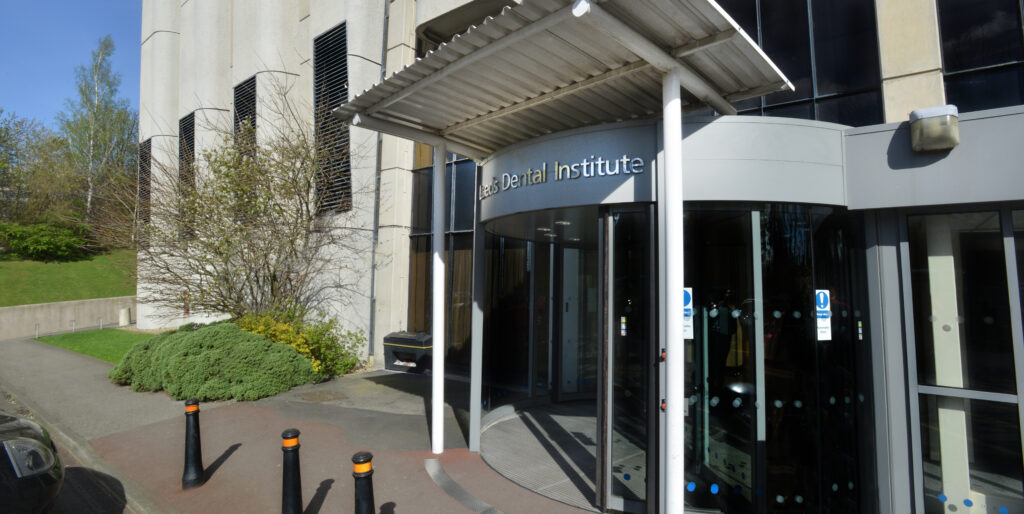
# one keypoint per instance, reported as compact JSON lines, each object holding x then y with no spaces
{"x":627,"y":405}
{"x":721,"y":419}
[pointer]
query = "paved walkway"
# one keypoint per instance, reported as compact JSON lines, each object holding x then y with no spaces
{"x":137,"y":440}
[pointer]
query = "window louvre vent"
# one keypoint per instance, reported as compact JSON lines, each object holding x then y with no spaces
{"x":187,"y":152}
{"x":330,"y":90}
{"x":144,"y":186}
{"x":145,"y":181}
{"x":245,"y":115}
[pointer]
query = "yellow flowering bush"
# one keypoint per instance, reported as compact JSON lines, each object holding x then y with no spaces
{"x":331,"y":351}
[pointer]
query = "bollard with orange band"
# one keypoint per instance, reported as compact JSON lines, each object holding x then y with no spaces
{"x":291,"y":482}
{"x":362,"y":471}
{"x":193,"y":475}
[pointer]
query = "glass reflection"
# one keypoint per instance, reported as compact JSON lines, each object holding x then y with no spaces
{"x":972,"y":455}
{"x":1018,"y":236}
{"x":721,"y":420}
{"x":961,"y":312}
{"x":814,"y":455}
{"x":630,"y":352}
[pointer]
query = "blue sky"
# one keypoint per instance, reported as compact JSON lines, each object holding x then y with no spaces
{"x":41,"y":43}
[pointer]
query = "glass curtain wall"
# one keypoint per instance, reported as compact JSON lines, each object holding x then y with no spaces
{"x":779,"y":415}
{"x":827,"y":48}
{"x":460,"y":180}
{"x":964,"y":347}
{"x":982,"y":53}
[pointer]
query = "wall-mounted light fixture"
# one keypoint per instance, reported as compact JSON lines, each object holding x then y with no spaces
{"x":934,"y":128}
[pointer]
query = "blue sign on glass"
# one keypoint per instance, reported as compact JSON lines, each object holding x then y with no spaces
{"x":823,"y":304}
{"x":821,"y":300}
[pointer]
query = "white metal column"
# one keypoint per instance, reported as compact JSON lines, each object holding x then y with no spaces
{"x":437,"y":276}
{"x":675,"y":363}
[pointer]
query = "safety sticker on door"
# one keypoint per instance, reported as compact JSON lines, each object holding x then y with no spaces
{"x":823,"y":308}
{"x":687,"y":313}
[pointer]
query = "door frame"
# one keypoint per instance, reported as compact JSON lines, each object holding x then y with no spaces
{"x":606,"y":241}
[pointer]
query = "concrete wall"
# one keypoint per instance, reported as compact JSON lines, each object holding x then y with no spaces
{"x":391,"y":284}
{"x":910,"y":56}
{"x":427,"y":10}
{"x":158,"y":106}
{"x":21,"y":320}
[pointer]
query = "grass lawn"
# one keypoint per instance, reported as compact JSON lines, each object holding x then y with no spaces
{"x":99,"y":276}
{"x":109,"y":344}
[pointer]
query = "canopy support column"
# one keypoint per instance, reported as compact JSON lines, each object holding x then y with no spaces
{"x":437,"y":277}
{"x":675,"y":364}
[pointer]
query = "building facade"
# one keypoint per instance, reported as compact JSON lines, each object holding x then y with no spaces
{"x":851,"y":324}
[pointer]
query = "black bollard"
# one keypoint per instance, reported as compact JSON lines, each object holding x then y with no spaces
{"x":193,"y":475}
{"x":291,"y":485}
{"x":362,"y":471}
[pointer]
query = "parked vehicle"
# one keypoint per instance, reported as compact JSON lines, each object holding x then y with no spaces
{"x":31,"y":472}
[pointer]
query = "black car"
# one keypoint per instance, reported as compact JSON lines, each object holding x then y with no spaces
{"x":31,"y":473}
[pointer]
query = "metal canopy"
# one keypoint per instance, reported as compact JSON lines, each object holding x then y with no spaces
{"x":550,"y":65}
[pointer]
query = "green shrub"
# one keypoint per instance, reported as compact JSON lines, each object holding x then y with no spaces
{"x":43,"y":242}
{"x":331,"y":350}
{"x":215,"y":362}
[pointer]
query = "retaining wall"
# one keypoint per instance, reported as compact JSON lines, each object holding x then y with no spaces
{"x":21,"y":320}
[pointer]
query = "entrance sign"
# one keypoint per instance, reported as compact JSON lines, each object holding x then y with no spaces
{"x":687,"y":313}
{"x":591,"y":166}
{"x":822,"y":306}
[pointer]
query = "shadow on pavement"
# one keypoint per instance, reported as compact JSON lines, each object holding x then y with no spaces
{"x":317,"y":502}
{"x":456,"y":395}
{"x":88,"y":491}
{"x":388,"y":508}
{"x":213,"y":467}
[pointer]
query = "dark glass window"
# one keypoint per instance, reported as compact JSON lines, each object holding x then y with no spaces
{"x":961,"y":312}
{"x":460,"y":184}
{"x":986,"y":89}
{"x":744,"y":12}
{"x":989,"y":433}
{"x":330,"y":90}
{"x":419,"y":283}
{"x":977,"y":33}
{"x":856,"y":110}
{"x":804,"y":111}
{"x":421,"y":201}
{"x":844,"y":39}
{"x":828,"y":49}
{"x":462,"y":201}
{"x":982,"y":53}
{"x":785,"y":37}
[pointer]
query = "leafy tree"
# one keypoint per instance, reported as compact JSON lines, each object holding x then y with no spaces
{"x":100,"y":131}
{"x":52,"y":186}
{"x":37,"y":184}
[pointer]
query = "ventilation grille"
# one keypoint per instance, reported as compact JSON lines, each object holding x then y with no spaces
{"x":145,"y":181}
{"x":330,"y":90}
{"x":245,"y":115}
{"x":187,"y":152}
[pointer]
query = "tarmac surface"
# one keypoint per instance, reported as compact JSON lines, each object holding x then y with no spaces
{"x":123,"y":450}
